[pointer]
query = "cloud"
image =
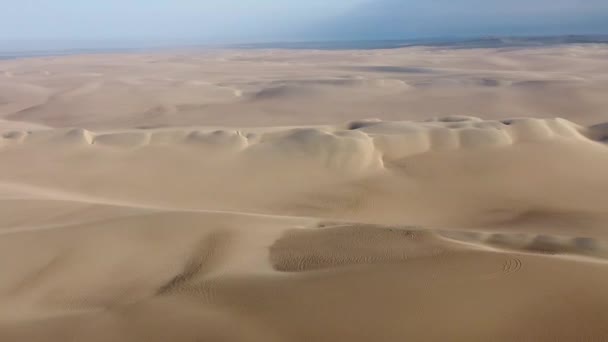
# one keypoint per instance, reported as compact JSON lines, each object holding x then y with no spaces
{"x":393,"y":19}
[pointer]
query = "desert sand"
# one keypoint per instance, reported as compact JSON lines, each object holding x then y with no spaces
{"x":419,"y":194}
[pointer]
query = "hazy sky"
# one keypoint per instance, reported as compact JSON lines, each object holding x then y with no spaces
{"x":162,"y":19}
{"x":431,"y":18}
{"x":268,"y":20}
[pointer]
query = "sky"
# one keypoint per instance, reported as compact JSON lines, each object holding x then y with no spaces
{"x":204,"y":20}
{"x":392,"y":19}
{"x":246,"y":21}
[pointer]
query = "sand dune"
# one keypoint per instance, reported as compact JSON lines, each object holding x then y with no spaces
{"x":118,"y":246}
{"x":303,"y":87}
{"x":240,"y":196}
{"x":245,"y":278}
{"x":370,"y":171}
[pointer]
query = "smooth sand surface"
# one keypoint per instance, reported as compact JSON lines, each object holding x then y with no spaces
{"x":243,"y":196}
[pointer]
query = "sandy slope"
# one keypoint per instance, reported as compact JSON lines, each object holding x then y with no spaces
{"x":237,"y":196}
{"x":450,"y":229}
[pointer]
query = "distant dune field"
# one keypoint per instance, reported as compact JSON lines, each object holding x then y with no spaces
{"x":302,"y":87}
{"x":418,"y":194}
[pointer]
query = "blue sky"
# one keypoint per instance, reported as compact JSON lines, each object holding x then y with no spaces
{"x":161,"y":19}
{"x":215,"y":21}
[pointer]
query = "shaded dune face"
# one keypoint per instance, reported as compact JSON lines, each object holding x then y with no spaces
{"x":323,"y":88}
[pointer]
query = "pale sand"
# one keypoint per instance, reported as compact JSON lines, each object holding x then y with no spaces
{"x":255,"y":217}
{"x":286,"y":87}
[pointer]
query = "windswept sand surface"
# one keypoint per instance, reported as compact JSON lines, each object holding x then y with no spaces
{"x":213,"y":223}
